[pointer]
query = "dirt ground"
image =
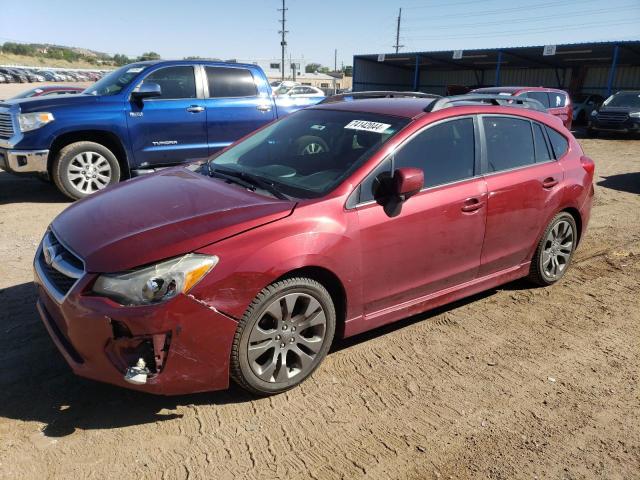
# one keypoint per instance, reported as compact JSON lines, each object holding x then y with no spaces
{"x":517,"y":382}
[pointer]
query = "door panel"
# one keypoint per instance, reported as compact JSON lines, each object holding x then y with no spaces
{"x":431,"y":245}
{"x":168,"y":130}
{"x":234,"y":108}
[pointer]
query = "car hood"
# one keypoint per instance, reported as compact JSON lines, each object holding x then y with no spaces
{"x":159,"y":216}
{"x":49,"y":102}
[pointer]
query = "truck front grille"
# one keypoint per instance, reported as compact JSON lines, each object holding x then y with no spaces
{"x":57,"y":267}
{"x":6,"y":125}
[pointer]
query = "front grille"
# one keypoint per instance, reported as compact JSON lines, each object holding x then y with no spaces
{"x":6,"y":125}
{"x":59,"y":268}
{"x":613,"y":117}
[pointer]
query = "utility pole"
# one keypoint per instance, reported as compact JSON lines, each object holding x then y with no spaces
{"x":284,"y":31}
{"x":397,"y":46}
{"x":335,"y":69}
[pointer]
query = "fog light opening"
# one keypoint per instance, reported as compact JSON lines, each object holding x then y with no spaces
{"x":138,"y":373}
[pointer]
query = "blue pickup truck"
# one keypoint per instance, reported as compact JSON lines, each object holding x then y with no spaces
{"x":141,"y":117}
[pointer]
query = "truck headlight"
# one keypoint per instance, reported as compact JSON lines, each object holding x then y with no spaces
{"x":35,"y":120}
{"x":635,"y":115}
{"x":155,"y":283}
{"x":594,"y":113}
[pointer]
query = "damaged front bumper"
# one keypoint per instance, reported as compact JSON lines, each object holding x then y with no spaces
{"x":185,"y":343}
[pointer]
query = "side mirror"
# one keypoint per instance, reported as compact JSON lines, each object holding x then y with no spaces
{"x":407,"y":182}
{"x":147,"y":90}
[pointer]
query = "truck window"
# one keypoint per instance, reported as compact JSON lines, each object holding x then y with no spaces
{"x":227,"y":82}
{"x":175,"y":82}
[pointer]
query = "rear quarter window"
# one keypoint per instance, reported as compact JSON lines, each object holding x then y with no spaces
{"x":558,"y":141}
{"x":557,"y":100}
{"x":542,"y":97}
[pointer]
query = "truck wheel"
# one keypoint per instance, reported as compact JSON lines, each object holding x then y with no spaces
{"x":283,"y":336}
{"x":83,"y":168}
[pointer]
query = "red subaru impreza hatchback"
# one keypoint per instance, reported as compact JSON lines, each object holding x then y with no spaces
{"x":332,"y":221}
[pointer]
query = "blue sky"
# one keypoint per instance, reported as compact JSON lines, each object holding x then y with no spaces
{"x":247,"y":29}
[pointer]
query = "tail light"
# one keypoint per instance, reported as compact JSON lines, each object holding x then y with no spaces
{"x":588,"y":165}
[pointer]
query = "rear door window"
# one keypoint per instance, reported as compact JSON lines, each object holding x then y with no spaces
{"x":558,"y":141}
{"x":175,"y":82}
{"x":229,"y":82}
{"x":542,"y":150}
{"x":509,"y":143}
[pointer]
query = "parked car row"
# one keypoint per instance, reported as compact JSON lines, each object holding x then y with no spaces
{"x":34,"y":75}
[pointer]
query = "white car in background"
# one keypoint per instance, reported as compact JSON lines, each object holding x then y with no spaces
{"x":583,"y":105}
{"x":304,"y":91}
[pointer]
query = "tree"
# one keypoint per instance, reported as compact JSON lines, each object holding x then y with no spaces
{"x":312,"y":67}
{"x":120,"y":59}
{"x":149,"y":56}
{"x":347,"y":70}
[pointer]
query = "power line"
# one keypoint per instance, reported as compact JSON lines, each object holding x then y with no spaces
{"x":521,"y":20}
{"x":525,"y":31}
{"x":498,"y":11}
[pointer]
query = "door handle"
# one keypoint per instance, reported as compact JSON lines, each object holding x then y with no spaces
{"x":549,"y":182}
{"x":195,"y":109}
{"x":472,"y":204}
{"x":264,"y":108}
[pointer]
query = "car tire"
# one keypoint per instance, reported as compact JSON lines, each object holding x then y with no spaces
{"x":555,"y":249}
{"x":283,"y":336}
{"x":311,"y":145}
{"x":83,"y":168}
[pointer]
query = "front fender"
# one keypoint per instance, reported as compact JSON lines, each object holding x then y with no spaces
{"x":251,"y":261}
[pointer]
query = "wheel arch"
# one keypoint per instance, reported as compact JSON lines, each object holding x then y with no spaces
{"x":334,"y":286}
{"x":103,"y":137}
{"x":575,"y":213}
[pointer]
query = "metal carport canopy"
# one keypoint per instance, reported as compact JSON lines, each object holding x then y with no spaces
{"x":611,"y":54}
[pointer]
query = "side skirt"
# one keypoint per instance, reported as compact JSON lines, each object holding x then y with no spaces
{"x":433,"y":300}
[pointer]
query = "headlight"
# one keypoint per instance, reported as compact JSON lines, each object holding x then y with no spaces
{"x":635,"y":114}
{"x":33,"y":121}
{"x":155,"y":283}
{"x":594,"y":113}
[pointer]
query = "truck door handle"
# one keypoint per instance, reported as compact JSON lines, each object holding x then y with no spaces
{"x":195,"y":109}
{"x":264,"y":108}
{"x":549,"y":182}
{"x":472,"y":204}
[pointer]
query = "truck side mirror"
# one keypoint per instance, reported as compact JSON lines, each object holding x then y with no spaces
{"x":147,"y":90}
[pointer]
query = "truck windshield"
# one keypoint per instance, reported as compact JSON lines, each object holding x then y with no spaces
{"x":309,"y":153}
{"x":113,"y":83}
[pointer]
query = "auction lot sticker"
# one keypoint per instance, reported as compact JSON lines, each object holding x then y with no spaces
{"x":367,"y":126}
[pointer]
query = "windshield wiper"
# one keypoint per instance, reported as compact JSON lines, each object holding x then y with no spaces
{"x":247,"y":180}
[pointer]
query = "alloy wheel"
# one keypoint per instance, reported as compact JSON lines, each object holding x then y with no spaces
{"x":285,"y":342}
{"x":557,"y":249}
{"x":89,"y":172}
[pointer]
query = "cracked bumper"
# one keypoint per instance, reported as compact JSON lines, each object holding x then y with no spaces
{"x":99,"y":338}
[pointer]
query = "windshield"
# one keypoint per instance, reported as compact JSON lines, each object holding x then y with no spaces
{"x":628,"y":99}
{"x":113,"y":83}
{"x":309,"y":153}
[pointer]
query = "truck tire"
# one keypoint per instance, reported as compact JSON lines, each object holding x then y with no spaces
{"x":83,"y":168}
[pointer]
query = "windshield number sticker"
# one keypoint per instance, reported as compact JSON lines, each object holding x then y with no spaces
{"x":367,"y":126}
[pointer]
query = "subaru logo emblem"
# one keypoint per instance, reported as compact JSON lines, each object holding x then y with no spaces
{"x":48,"y":255}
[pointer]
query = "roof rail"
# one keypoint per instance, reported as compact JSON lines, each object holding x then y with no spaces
{"x":492,"y":99}
{"x":343,"y":97}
